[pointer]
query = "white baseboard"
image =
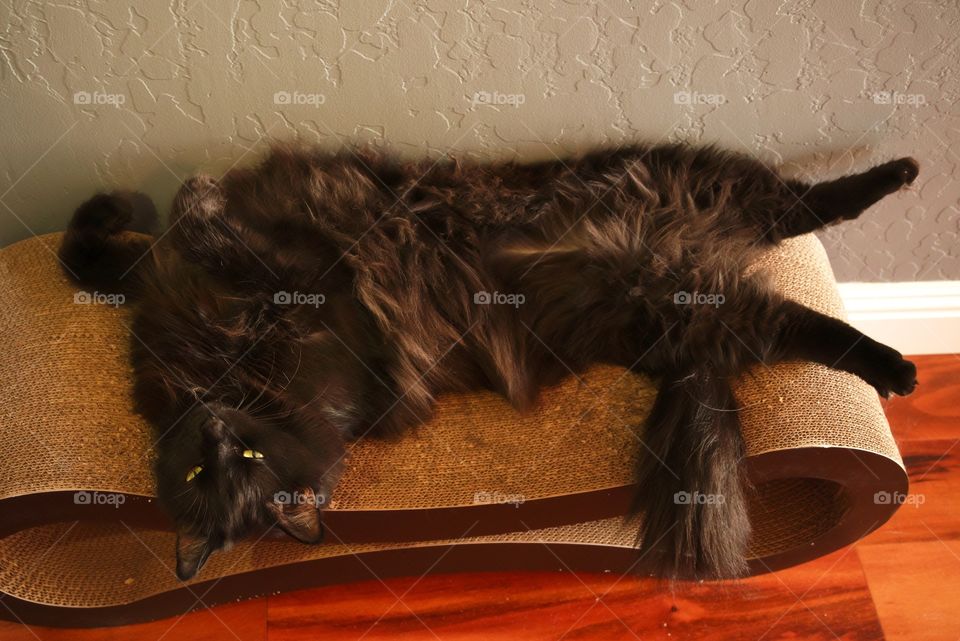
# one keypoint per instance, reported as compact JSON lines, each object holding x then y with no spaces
{"x":921,"y":317}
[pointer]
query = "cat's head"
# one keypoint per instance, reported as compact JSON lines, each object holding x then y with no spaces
{"x":227,"y":473}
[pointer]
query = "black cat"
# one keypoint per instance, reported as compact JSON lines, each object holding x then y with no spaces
{"x":320,"y":298}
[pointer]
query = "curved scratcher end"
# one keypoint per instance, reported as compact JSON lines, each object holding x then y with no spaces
{"x":483,"y":488}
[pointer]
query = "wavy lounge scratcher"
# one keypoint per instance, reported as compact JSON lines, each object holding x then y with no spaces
{"x":84,"y":544}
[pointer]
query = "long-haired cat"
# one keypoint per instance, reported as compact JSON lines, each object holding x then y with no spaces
{"x":319,"y":298}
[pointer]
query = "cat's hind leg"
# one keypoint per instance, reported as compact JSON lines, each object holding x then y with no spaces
{"x":811,"y":207}
{"x":770,"y":328}
{"x":806,"y":334}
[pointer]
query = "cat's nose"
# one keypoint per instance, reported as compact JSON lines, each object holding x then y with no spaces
{"x":214,"y":428}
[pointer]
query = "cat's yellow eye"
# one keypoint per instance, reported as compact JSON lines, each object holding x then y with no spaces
{"x":252,"y":454}
{"x":192,"y":474}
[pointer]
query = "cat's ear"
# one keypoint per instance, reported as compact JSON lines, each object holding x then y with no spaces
{"x":298,"y":514}
{"x":192,"y":552}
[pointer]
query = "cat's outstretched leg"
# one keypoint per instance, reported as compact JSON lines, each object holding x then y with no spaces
{"x":845,"y":198}
{"x":809,"y":335}
{"x":771,"y":328}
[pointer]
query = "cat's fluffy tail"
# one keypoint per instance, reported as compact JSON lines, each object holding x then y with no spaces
{"x":95,"y":250}
{"x":692,"y":486}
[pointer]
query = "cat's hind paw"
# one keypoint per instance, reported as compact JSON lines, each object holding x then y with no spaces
{"x":892,"y":374}
{"x":898,"y":173}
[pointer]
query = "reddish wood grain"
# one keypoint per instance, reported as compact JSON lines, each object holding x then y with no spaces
{"x":825,"y":599}
{"x":933,"y":410}
{"x":244,"y":621}
{"x":916,"y":589}
{"x":926,"y":425}
{"x":912,"y":564}
{"x":929,"y":511}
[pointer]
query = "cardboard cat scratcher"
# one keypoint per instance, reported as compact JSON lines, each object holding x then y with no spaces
{"x":82,"y":541}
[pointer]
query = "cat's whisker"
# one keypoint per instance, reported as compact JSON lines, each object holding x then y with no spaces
{"x":266,"y":383}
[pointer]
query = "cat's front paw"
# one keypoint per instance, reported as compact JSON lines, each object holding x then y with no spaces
{"x":891,"y":373}
{"x":104,"y":214}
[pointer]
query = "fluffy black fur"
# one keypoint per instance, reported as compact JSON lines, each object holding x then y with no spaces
{"x":254,"y":397}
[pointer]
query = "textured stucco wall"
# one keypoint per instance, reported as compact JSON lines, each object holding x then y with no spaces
{"x":103,"y":94}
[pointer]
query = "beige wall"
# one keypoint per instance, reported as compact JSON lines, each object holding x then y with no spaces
{"x":176,"y":86}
